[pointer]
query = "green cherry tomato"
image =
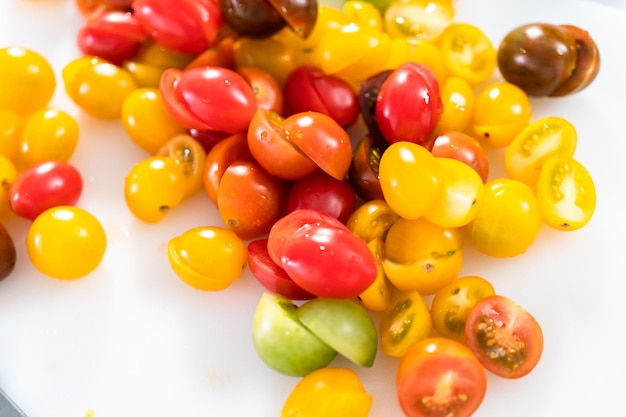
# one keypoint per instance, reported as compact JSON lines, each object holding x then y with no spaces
{"x":66,"y":242}
{"x":282,"y":342}
{"x":344,"y":325}
{"x":566,"y":193}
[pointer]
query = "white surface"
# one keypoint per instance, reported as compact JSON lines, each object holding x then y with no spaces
{"x":132,"y":340}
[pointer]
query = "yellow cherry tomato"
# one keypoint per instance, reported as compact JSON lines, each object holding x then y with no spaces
{"x":461,"y":197}
{"x":10,"y":129}
{"x":147,"y":121}
{"x":27,"y":80}
{"x":363,"y":12}
{"x":566,"y":193}
{"x":192,"y":156}
{"x":406,"y":321}
{"x":533,"y":145}
{"x":411,"y":179}
{"x":458,"y":98}
{"x":207,"y":258}
{"x":501,"y":111}
{"x":468,"y":52}
{"x":508,"y":220}
{"x":66,"y":242}
{"x":422,"y":256}
{"x":377,"y":296}
{"x":371,"y":220}
{"x":403,"y":50}
{"x":423,"y":20}
{"x":452,"y":303}
{"x":154,"y":186}
{"x":8,"y":174}
{"x":48,"y":134}
{"x":330,"y":392}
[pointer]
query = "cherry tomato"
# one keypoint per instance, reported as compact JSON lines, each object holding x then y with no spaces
{"x":462,"y":147}
{"x":566,"y":193}
{"x":271,"y":275}
{"x":377,"y":297}
{"x":458,"y":98}
{"x":328,"y":391}
{"x":10,"y":130}
{"x":328,"y":261}
{"x":113,"y":35}
{"x":271,"y":55}
{"x":147,"y":121}
{"x":461,"y":197}
{"x":48,"y":134}
{"x":549,"y":60}
{"x":422,"y":256}
{"x":344,"y":325}
{"x":44,"y":185}
{"x":219,"y":158}
{"x":533,"y":145}
{"x":363,"y":172}
{"x":501,"y":111}
{"x":249,"y":199}
{"x":8,"y":254}
{"x":273,"y":148}
{"x":372,"y":220}
{"x":308,"y":88}
{"x":405,"y":322}
{"x":27,"y":80}
{"x":90,"y":9}
{"x":508,"y":220}
{"x":154,"y":186}
{"x":468,"y":52}
{"x":179,"y":25}
{"x":451,"y":305}
{"x":66,"y":242}
{"x":440,"y":376}
{"x":8,"y":175}
{"x":209,"y":98}
{"x":425,"y":53}
{"x":367,"y":99}
{"x":268,"y":92}
{"x":282,"y":342}
{"x":98,"y":87}
{"x":363,"y":12}
{"x":191,"y":155}
{"x":504,"y":336}
{"x":320,"y":191}
{"x":208,"y":258}
{"x":411,"y":179}
{"x":424,"y":20}
{"x":409,"y":106}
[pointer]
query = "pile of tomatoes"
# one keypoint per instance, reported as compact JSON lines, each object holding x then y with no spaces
{"x":346,"y":151}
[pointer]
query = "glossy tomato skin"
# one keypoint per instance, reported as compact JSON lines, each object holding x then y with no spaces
{"x":114,"y":35}
{"x":363,"y":173}
{"x":329,"y":261}
{"x":308,"y":88}
{"x":409,"y":105}
{"x":43,"y":186}
{"x":8,"y":254}
{"x":320,"y":191}
{"x":462,"y":147}
{"x":225,"y":152}
{"x":440,"y":376}
{"x":249,"y":199}
{"x":209,"y":98}
{"x":368,"y":97}
{"x":183,"y":26}
{"x":271,"y":275}
{"x":504,"y":336}
{"x":266,"y":89}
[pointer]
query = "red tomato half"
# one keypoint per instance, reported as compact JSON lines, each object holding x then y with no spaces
{"x":440,"y":377}
{"x":43,"y":186}
{"x":464,"y":148}
{"x":408,"y":105}
{"x":271,"y":275}
{"x":329,"y":261}
{"x":505,"y":338}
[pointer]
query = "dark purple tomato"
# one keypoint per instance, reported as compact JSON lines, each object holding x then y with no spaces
{"x":319,"y":191}
{"x":363,"y":173}
{"x":368,"y":95}
{"x":43,"y":186}
{"x":8,"y":254}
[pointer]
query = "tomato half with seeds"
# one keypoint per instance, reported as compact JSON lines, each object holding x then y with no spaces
{"x":440,"y":377}
{"x":504,"y":337}
{"x":405,"y":322}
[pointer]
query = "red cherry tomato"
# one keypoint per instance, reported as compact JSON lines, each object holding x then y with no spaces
{"x":209,"y":98}
{"x":308,"y":88}
{"x":329,"y":261}
{"x":271,"y":275}
{"x":320,"y":191}
{"x":408,"y":105}
{"x":114,"y":35}
{"x":504,"y":336}
{"x":268,"y":93}
{"x":464,"y":148}
{"x":189,"y":27}
{"x":43,"y":186}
